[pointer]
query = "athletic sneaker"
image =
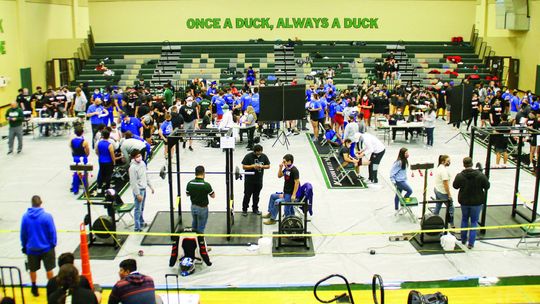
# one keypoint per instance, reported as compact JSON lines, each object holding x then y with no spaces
{"x":190,"y":148}
{"x":266,"y":216}
{"x":270,"y":222}
{"x":257,"y":212}
{"x":244,"y":213}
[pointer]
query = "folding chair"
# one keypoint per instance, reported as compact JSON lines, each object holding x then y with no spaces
{"x":405,"y":205}
{"x":343,"y":172}
{"x":530,"y":232}
{"x":123,"y":210}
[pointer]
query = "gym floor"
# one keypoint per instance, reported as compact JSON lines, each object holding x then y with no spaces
{"x":43,"y":169}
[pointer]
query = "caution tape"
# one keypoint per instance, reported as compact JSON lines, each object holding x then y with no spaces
{"x":521,"y":198}
{"x":334,"y":234}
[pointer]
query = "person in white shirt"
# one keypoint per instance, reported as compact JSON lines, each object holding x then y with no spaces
{"x":350,"y":133}
{"x":429,"y":125}
{"x":442,"y":187}
{"x":80,"y":102}
{"x":373,"y":147}
{"x":227,"y":120}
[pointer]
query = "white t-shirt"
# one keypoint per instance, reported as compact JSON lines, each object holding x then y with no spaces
{"x":441,"y":175}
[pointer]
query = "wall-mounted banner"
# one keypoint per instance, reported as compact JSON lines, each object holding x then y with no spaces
{"x":282,"y":23}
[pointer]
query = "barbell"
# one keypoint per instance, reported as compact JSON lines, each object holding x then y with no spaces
{"x":237,"y":174}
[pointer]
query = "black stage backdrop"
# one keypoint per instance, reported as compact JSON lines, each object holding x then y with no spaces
{"x":459,"y":98}
{"x":282,"y":103}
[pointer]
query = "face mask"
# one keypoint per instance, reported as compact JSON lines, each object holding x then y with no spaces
{"x":138,"y":159}
{"x":189,"y":104}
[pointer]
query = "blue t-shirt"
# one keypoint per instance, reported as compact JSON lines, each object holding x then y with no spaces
{"x":95,"y":120}
{"x":166,"y":127}
{"x":255,"y":102}
{"x":332,"y":136}
{"x":218,"y":104}
{"x":229,"y":99}
{"x":315,"y":104}
{"x":134,"y":125}
{"x":211,"y":91}
{"x":103,"y":150}
{"x":324,"y":103}
{"x":515,"y":104}
{"x":332,"y":109}
{"x":246,"y":101}
{"x":309,"y":93}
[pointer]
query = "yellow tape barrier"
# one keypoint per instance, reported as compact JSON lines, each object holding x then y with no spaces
{"x":340,"y":234}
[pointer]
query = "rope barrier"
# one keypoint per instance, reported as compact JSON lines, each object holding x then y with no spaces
{"x":335,"y":234}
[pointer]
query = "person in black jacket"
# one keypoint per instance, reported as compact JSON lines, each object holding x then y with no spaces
{"x":472,"y":185}
{"x":71,"y":292}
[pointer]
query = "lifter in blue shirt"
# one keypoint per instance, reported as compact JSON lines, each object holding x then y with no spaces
{"x":80,"y":149}
{"x":106,"y":159}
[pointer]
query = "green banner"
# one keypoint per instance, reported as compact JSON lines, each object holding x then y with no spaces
{"x":282,"y":23}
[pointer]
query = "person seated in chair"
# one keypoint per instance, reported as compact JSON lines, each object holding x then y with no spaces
{"x":348,"y":161}
{"x":394,"y":119}
{"x":291,"y":177}
{"x":331,"y":136}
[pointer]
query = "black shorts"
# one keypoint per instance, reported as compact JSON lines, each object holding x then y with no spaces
{"x":48,"y":258}
{"x":147,"y":133}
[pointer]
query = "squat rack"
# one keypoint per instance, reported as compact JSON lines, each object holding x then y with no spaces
{"x":179,"y":135}
{"x":509,"y":132}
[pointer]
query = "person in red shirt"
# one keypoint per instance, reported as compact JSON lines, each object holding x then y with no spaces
{"x":365,"y":108}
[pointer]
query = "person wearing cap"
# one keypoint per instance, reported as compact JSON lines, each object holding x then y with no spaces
{"x":472,"y":185}
{"x":190,"y":115}
{"x":227,"y":120}
{"x":132,"y":124}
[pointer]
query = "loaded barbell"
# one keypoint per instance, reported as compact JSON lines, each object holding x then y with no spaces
{"x":237,"y":174}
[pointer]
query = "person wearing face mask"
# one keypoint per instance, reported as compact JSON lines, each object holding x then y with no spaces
{"x":291,"y":177}
{"x":227,"y":118}
{"x":138,"y":180}
{"x":398,"y":176}
{"x":96,"y":112}
{"x":442,"y":187}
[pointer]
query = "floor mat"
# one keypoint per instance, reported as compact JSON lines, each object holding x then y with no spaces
{"x":119,"y":181}
{"x":500,"y":215}
{"x":329,"y":168}
{"x":100,"y":252}
{"x":217,"y":224}
{"x":292,"y":248}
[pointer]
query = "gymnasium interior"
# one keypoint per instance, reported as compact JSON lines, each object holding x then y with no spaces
{"x":346,"y":241}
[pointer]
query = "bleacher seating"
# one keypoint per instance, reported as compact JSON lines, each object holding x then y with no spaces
{"x":218,"y":61}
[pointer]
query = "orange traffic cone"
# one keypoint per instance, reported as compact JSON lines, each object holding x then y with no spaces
{"x":85,"y":256}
